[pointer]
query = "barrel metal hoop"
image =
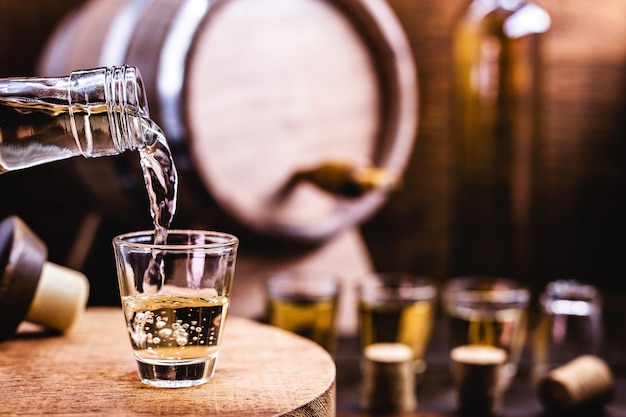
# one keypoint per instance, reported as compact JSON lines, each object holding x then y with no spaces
{"x":172,"y":63}
{"x":120,"y":33}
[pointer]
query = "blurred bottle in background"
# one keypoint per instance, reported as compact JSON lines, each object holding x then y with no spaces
{"x":497,"y":89}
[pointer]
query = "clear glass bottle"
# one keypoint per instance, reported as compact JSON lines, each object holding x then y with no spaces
{"x":496,"y":63}
{"x":96,"y":112}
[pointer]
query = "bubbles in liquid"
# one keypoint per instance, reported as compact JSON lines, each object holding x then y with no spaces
{"x":165,"y":333}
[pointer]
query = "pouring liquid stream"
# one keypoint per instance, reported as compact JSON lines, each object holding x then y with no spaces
{"x":161,"y":179}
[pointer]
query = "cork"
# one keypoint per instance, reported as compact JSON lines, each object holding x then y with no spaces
{"x":586,"y":381}
{"x":60,"y":297}
{"x":33,"y":289}
{"x":479,"y":383}
{"x":388,"y":379}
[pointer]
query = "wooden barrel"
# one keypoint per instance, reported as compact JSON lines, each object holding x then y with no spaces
{"x":251,"y":94}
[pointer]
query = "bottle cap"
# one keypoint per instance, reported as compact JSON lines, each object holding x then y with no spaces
{"x":33,"y":289}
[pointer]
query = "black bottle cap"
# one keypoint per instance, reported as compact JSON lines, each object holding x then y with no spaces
{"x":22,"y":256}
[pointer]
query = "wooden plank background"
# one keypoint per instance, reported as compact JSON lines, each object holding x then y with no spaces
{"x":578,"y":223}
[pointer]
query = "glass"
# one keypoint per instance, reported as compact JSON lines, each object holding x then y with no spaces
{"x":570,"y":325}
{"x":95,"y":112}
{"x":175,"y":298}
{"x":489,"y":311}
{"x":305,"y":302}
{"x":397,"y":308}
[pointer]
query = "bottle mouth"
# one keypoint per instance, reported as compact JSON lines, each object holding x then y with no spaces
{"x":137,"y":98}
{"x":118,"y":89}
{"x":127,"y":105}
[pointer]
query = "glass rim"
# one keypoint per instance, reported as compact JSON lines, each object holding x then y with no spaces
{"x":377,"y":279}
{"x":308,"y":282}
{"x":227,"y":240}
{"x":570,"y":290}
{"x":468,"y":289}
{"x":393,"y":285}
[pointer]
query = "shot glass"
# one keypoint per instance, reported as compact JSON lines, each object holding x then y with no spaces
{"x":488,"y":311}
{"x":175,"y":298}
{"x":397,"y":308}
{"x":570,"y":325}
{"x":305,"y":302}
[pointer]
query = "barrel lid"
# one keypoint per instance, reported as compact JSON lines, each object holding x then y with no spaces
{"x":274,"y":90}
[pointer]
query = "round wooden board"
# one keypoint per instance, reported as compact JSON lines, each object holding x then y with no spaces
{"x":262,"y":371}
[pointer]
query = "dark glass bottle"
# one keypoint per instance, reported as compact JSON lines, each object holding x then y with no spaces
{"x":496,"y":104}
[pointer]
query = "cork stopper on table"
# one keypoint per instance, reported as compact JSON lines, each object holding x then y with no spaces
{"x":477,"y":373}
{"x":583,"y":382}
{"x":388,"y":379}
{"x":60,"y":297}
{"x":33,"y":289}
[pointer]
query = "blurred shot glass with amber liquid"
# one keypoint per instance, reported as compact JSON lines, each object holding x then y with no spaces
{"x":397,"y":308}
{"x":305,"y":302}
{"x":488,"y":311}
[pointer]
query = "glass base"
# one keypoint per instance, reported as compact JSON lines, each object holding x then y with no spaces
{"x":176,"y":374}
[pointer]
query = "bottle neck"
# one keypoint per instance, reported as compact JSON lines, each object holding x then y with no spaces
{"x":97,"y":112}
{"x":117,"y":90}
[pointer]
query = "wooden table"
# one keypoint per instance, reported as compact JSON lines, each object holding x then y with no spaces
{"x":262,"y":371}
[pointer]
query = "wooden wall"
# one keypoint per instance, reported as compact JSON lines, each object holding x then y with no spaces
{"x":578,"y":205}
